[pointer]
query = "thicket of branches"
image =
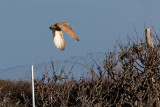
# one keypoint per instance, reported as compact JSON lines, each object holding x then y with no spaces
{"x":129,"y":77}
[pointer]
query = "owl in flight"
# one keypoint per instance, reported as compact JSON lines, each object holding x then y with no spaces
{"x":58,"y":35}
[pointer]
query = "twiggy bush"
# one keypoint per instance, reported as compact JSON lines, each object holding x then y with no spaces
{"x":15,"y":93}
{"x":128,"y":77}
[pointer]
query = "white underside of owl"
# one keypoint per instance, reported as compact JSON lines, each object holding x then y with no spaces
{"x":59,"y":40}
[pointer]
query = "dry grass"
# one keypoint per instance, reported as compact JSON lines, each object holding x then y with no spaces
{"x":127,"y":78}
{"x":15,"y":93}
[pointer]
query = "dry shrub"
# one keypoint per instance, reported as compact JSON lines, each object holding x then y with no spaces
{"x":127,"y":78}
{"x":15,"y":93}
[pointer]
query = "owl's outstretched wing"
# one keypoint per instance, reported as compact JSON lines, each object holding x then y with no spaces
{"x":65,"y":26}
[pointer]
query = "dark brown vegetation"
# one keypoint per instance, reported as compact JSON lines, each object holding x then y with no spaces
{"x":15,"y":94}
{"x":129,"y":77}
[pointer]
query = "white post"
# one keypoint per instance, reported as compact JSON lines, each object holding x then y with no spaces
{"x":33,"y":97}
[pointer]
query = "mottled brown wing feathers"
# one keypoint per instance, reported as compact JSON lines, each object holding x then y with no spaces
{"x":66,"y":23}
{"x":65,"y":26}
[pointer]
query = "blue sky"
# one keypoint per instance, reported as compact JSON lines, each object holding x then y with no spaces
{"x":24,"y":27}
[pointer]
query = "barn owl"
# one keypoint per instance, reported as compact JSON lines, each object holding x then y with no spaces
{"x":58,"y":35}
